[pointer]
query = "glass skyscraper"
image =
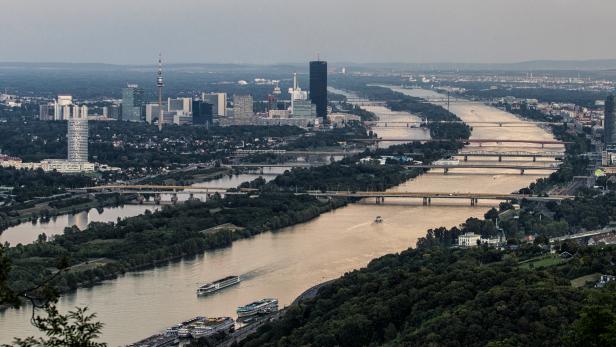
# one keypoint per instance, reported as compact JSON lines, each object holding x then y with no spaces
{"x":133,"y":102}
{"x":318,"y":86}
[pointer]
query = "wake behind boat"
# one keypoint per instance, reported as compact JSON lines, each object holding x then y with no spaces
{"x":218,"y":285}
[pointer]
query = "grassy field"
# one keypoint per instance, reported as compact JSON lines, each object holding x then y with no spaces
{"x":581,"y":281}
{"x":543,"y":261}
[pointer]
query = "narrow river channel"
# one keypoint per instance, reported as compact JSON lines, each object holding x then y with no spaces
{"x":284,"y":263}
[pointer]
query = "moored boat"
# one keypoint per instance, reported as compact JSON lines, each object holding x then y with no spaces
{"x":263,"y":306}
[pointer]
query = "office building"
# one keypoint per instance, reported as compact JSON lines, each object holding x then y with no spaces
{"x":304,"y":108}
{"x":318,"y":86}
{"x":202,"y":112}
{"x":180,"y":105}
{"x":133,"y":102}
{"x":609,"y":123}
{"x":182,"y":119}
{"x":152,"y":113}
{"x":112,"y":111}
{"x":77,"y":136}
{"x":218,"y":102}
{"x":242,"y":106}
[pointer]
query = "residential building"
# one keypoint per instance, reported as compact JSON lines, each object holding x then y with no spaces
{"x":133,"y":102}
{"x":242,"y":106}
{"x":77,"y":136}
{"x":62,"y":107}
{"x":468,"y":240}
{"x":46,"y":111}
{"x":318,"y":86}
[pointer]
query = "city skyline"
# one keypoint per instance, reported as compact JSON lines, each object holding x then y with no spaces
{"x":266,"y":32}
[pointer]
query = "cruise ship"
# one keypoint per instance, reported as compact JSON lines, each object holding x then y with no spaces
{"x":201,"y":327}
{"x":262,"y":306}
{"x":218,"y":285}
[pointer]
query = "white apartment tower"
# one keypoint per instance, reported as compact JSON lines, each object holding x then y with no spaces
{"x":78,"y":135}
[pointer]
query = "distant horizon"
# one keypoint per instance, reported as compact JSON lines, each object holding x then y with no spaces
{"x":154,"y":62}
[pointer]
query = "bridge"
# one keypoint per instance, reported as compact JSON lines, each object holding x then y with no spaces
{"x":479,"y":141}
{"x":245,"y":152}
{"x":478,"y":124}
{"x":158,"y":190}
{"x":519,"y":154}
{"x":583,"y":235}
{"x":364,"y":102}
{"x":428,"y":196}
{"x":446,"y":168}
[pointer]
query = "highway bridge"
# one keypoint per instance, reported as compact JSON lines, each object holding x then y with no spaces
{"x":479,"y":141}
{"x":261,"y":166}
{"x":446,"y":167}
{"x":515,"y":154}
{"x":245,"y":152}
{"x":428,"y":196}
{"x":410,"y":124}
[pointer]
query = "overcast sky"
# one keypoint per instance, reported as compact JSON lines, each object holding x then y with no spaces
{"x":273,"y":31}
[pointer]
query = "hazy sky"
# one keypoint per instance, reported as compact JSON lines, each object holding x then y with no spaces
{"x":272,"y":31}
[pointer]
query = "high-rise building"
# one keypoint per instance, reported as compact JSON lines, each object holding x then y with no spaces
{"x":62,"y":107}
{"x":46,"y":111}
{"x":78,"y":135}
{"x":133,"y":102}
{"x":304,"y":108}
{"x":152,"y":113}
{"x":202,"y":112}
{"x":218,"y":102}
{"x":181,"y":105}
{"x":609,"y":123}
{"x":318,"y":86}
{"x":242,"y":106}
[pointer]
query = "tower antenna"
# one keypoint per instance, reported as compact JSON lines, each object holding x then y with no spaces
{"x":160,"y":83}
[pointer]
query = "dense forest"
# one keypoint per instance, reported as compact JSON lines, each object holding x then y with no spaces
{"x":454,"y":297}
{"x":28,"y":184}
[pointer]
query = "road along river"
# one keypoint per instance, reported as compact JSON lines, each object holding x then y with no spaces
{"x":284,"y":263}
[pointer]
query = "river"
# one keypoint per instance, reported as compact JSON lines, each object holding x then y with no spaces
{"x":284,"y":263}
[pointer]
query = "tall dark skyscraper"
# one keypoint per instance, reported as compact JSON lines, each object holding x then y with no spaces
{"x":202,"y":112}
{"x":609,"y":124}
{"x":318,"y":86}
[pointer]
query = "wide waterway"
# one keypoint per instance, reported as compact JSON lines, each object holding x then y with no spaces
{"x":283,"y":264}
